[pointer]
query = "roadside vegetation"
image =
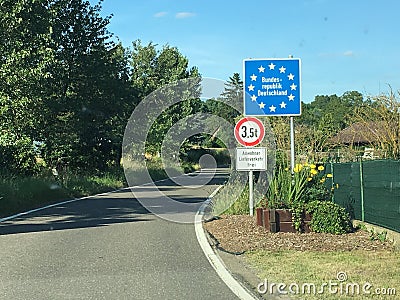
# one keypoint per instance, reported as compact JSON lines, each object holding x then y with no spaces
{"x":21,"y":193}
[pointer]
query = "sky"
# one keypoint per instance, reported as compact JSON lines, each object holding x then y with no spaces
{"x":343,"y":45}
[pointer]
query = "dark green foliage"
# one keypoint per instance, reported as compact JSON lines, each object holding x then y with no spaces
{"x":152,"y":69}
{"x":231,"y":97}
{"x":17,"y":155}
{"x":70,"y":91}
{"x":331,"y":113}
{"x":87,"y":89}
{"x":328,"y":217}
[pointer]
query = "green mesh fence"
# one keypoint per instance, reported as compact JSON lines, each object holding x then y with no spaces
{"x":369,"y":190}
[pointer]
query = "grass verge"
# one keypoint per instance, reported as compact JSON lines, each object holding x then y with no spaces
{"x":319,"y":269}
{"x":18,"y":194}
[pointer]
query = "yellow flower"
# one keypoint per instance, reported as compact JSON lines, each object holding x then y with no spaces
{"x":312,"y":166}
{"x":329,"y":175}
{"x":298,"y":168}
{"x":309,"y":178}
{"x":313,"y":172}
{"x":320,"y":168}
{"x":322,"y":180}
{"x":286,"y":169}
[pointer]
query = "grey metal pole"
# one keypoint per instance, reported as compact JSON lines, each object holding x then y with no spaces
{"x":362,"y":191}
{"x":251,"y":197}
{"x":292,"y":158}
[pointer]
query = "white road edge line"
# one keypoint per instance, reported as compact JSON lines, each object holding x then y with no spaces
{"x":213,"y":257}
{"x":56,"y":204}
{"x":78,"y":199}
{"x":83,"y":198}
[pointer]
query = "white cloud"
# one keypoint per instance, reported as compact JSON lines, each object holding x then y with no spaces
{"x":184,"y":15}
{"x":160,"y":14}
{"x":348,"y":53}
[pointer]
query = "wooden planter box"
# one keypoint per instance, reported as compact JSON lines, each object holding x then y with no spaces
{"x":279,"y":220}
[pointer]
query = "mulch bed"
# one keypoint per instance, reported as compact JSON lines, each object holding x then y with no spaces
{"x":239,"y":233}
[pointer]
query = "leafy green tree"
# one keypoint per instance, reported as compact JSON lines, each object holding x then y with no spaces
{"x":87,"y":86}
{"x":25,"y":33}
{"x":339,"y":111}
{"x":66,"y":91}
{"x":233,"y":95}
{"x":223,"y":106}
{"x":153,"y":68}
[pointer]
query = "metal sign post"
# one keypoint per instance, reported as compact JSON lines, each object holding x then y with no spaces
{"x":249,"y":132}
{"x":251,"y":159}
{"x":251,"y":196}
{"x":292,"y":159}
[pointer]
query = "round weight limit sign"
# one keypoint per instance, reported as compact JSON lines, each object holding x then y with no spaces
{"x":249,"y":131}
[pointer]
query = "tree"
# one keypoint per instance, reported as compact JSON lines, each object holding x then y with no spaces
{"x":152,"y":69}
{"x":25,"y":33}
{"x":224,"y":105}
{"x":87,"y":86}
{"x":339,"y":110}
{"x":66,"y":91}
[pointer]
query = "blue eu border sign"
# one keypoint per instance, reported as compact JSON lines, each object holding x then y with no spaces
{"x":272,"y":87}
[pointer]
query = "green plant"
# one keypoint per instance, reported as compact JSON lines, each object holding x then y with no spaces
{"x":306,"y":183}
{"x":380,"y":267}
{"x":375,"y":236}
{"x":361,"y":226}
{"x":292,"y":190}
{"x":328,"y":217}
{"x":297,"y":216}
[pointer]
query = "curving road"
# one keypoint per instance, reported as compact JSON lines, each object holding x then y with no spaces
{"x":107,"y":247}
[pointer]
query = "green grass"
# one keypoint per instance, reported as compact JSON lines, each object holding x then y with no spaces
{"x":19,"y":194}
{"x":379,"y":268}
{"x":233,"y":198}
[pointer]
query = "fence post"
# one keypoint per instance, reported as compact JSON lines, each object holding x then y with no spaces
{"x":333,"y":182}
{"x":362,"y":191}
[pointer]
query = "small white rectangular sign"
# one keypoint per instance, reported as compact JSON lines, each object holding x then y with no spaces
{"x":251,"y":159}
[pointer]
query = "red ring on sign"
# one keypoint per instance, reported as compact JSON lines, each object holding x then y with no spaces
{"x":240,"y":139}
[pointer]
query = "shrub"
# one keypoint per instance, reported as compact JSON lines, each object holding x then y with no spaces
{"x":328,"y":217}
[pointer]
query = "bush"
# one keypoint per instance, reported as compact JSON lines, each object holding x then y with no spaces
{"x":328,"y":217}
{"x":17,"y":155}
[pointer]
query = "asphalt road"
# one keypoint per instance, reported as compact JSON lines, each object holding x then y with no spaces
{"x":107,"y":247}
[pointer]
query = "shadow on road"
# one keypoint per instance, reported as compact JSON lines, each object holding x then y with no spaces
{"x":92,"y":212}
{"x":105,"y":210}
